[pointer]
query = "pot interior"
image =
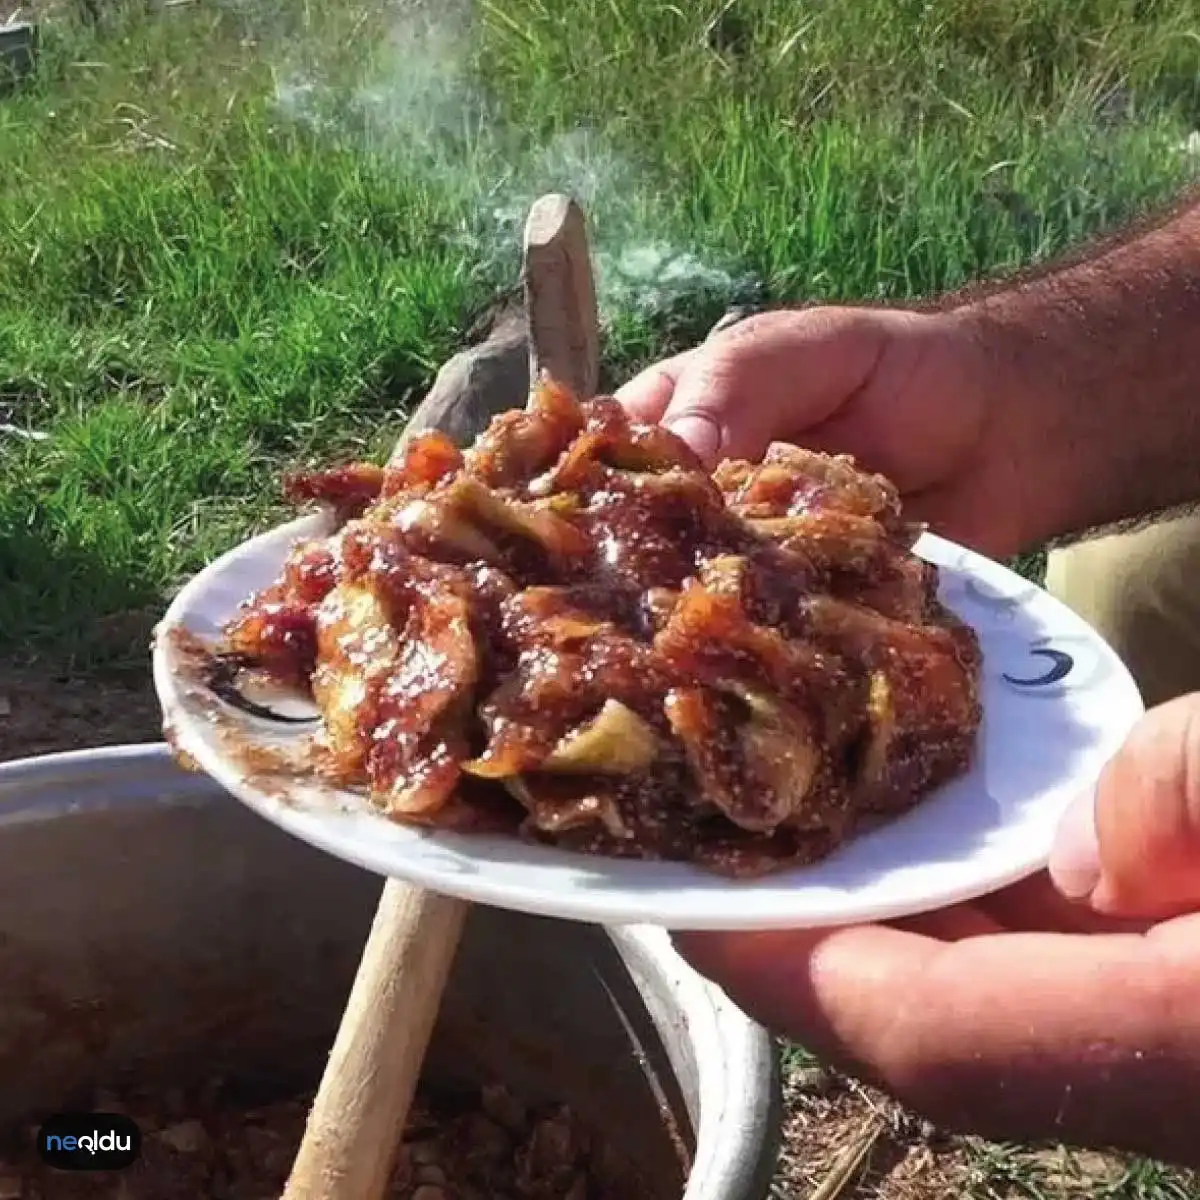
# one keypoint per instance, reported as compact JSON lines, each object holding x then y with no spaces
{"x":159,"y":945}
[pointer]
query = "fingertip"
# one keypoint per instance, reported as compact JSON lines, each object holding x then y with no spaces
{"x":1075,"y":865}
{"x":1138,"y":841}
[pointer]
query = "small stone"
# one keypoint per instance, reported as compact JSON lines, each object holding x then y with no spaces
{"x":146,"y":1120}
{"x":550,"y":1146}
{"x":475,"y":385}
{"x":106,"y":1101}
{"x":487,"y":1139}
{"x":503,"y":1107}
{"x":812,"y":1079}
{"x":188,"y":1137}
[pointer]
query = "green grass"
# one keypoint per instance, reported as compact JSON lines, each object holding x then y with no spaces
{"x":235,"y":237}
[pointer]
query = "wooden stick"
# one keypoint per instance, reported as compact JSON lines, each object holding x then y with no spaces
{"x":560,"y":296}
{"x":358,"y":1115}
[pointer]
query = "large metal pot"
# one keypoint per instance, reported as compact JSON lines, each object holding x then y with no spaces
{"x":150,"y":925}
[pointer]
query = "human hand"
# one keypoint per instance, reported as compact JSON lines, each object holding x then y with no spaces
{"x":906,"y":393}
{"x":1066,"y":1007}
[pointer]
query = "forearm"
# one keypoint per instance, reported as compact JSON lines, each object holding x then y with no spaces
{"x":1096,"y":368}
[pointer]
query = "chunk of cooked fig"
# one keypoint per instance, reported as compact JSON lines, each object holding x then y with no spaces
{"x":422,"y":461}
{"x":418,"y":737}
{"x":756,"y":761}
{"x":493,"y":513}
{"x":881,"y":729}
{"x":561,"y":805}
{"x":440,"y":528}
{"x":616,"y":741}
{"x":357,"y":649}
{"x":518,"y":445}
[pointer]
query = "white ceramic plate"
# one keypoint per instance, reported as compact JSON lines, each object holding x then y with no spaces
{"x":1057,"y":704}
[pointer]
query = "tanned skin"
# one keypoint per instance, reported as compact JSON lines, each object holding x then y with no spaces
{"x":1097,"y":365}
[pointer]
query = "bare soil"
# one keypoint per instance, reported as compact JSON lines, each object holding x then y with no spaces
{"x":41,"y":713}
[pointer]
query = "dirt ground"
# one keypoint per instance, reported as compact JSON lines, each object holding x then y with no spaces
{"x":45,"y":709}
{"x":41,"y":714}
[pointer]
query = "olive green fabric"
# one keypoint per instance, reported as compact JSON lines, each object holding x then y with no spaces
{"x":1141,"y":591}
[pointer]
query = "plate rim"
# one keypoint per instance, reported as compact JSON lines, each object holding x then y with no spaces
{"x":611,"y":904}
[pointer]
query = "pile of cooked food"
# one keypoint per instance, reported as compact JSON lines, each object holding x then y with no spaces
{"x":573,"y":631}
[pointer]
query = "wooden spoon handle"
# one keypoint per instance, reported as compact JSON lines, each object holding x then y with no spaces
{"x":560,"y":296}
{"x":359,"y":1112}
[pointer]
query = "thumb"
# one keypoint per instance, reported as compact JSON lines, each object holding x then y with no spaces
{"x":741,"y":388}
{"x":1133,"y":848}
{"x":777,"y":376}
{"x":645,"y":397}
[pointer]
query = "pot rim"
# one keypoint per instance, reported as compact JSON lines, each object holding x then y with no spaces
{"x":737,"y":1063}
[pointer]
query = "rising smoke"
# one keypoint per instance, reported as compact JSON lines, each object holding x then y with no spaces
{"x":420,"y":104}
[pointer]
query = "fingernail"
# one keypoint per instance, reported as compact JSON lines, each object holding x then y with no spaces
{"x":1075,"y":858}
{"x":700,"y":432}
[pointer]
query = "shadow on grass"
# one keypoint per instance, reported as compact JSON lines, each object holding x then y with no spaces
{"x":71,"y":608}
